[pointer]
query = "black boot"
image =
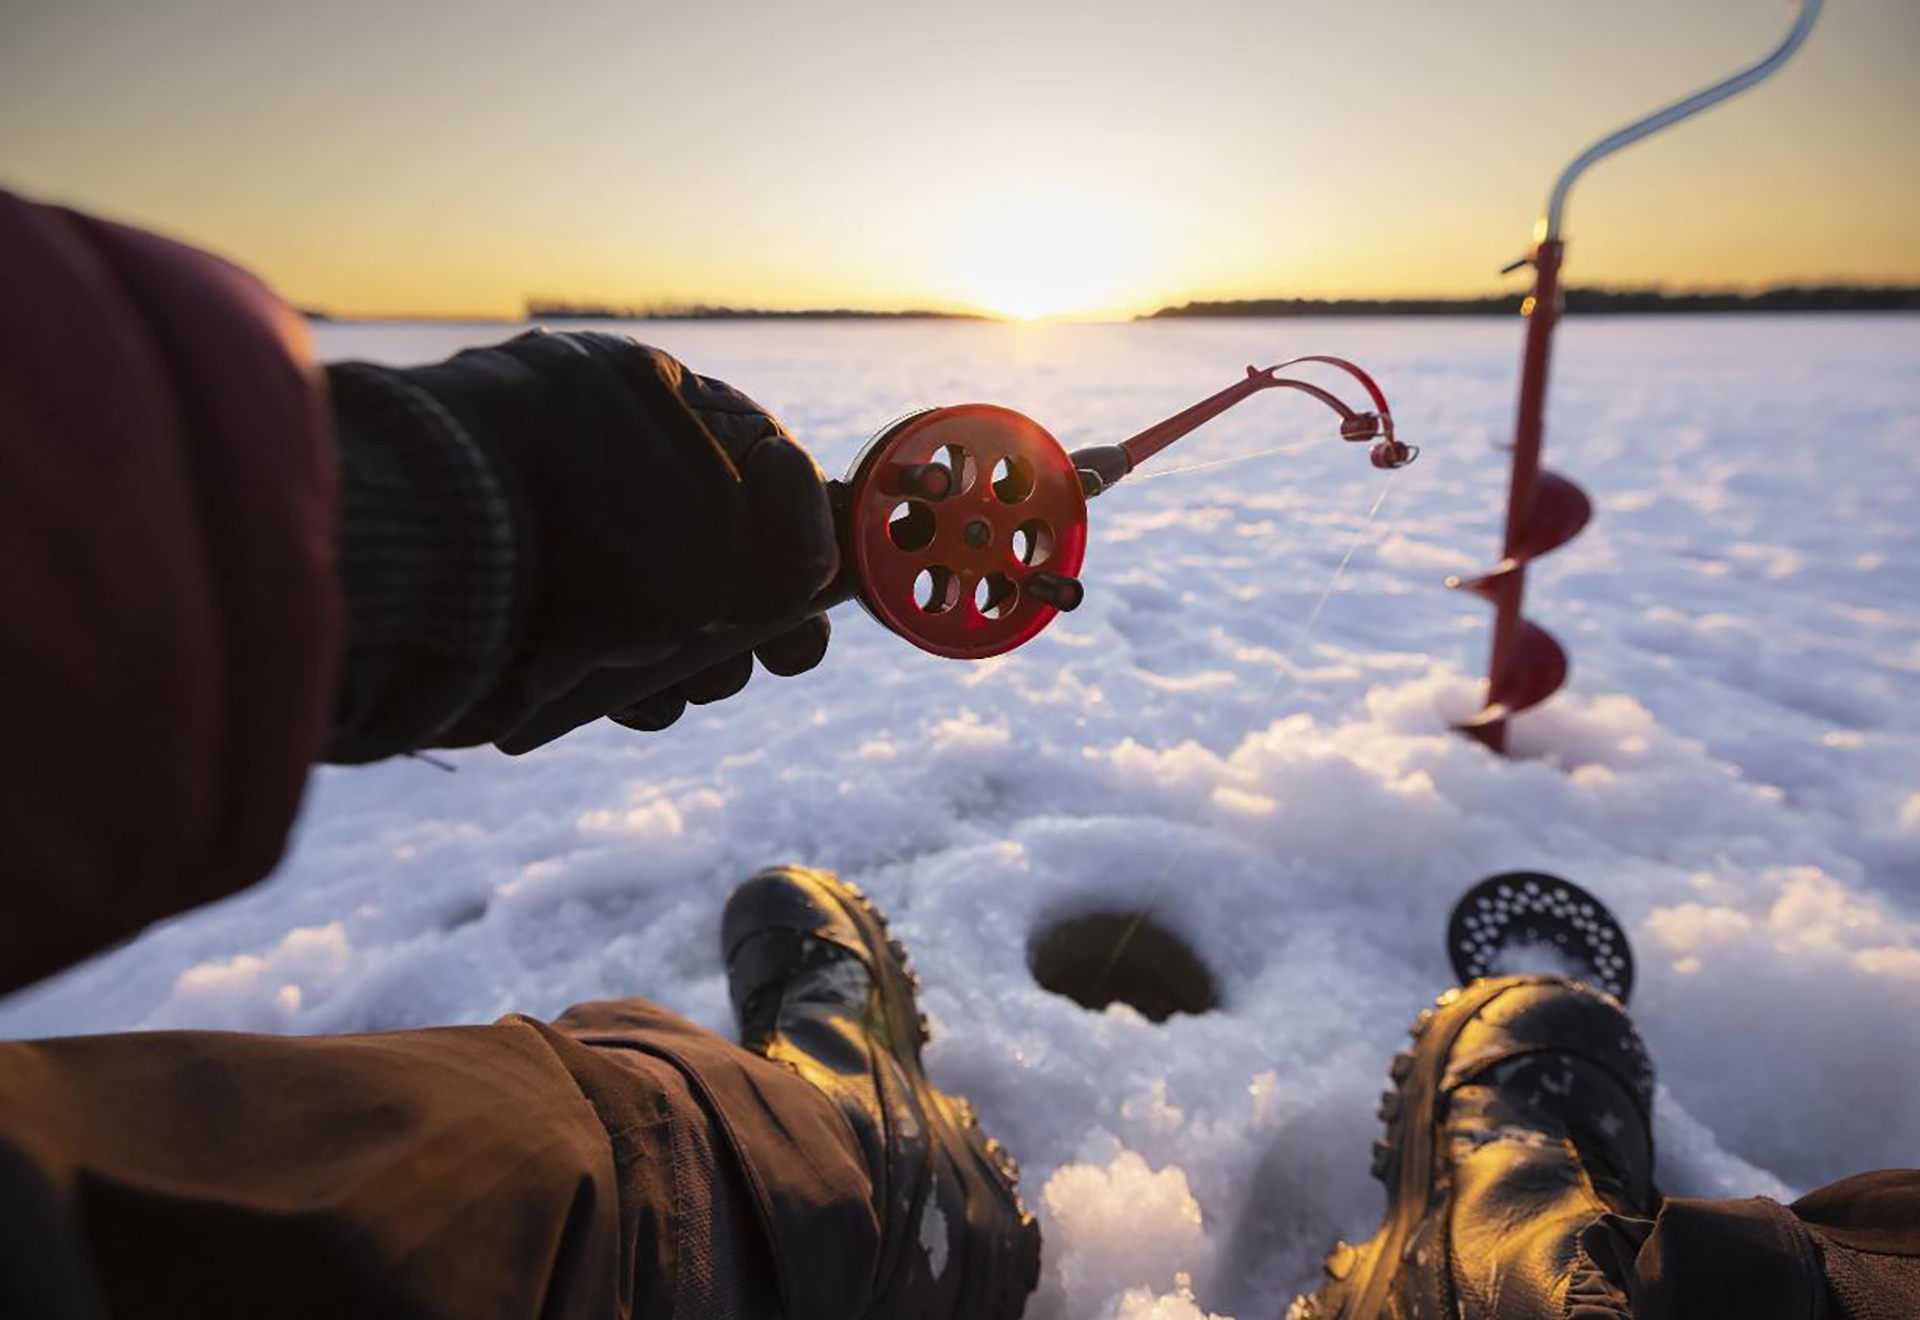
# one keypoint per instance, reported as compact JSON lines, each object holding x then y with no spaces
{"x":817,"y":985}
{"x":1521,"y":1114}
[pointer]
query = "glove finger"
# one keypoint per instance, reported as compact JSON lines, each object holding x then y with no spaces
{"x":752,"y":575}
{"x":792,"y":521}
{"x":798,"y":649}
{"x":787,"y":513}
{"x":743,"y":486}
{"x":726,"y":420}
{"x":720,"y":681}
{"x":654,"y":713}
{"x":733,"y":419}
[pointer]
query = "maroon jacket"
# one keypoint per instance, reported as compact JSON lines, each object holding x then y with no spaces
{"x":166,"y":576}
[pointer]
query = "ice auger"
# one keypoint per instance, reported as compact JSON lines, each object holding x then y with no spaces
{"x":1544,"y":509}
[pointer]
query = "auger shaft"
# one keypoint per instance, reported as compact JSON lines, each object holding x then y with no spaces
{"x":1527,"y":665}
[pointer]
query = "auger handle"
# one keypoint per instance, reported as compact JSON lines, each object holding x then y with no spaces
{"x":1665,"y":117}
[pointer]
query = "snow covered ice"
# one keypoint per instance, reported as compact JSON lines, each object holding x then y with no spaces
{"x":1734,"y":767}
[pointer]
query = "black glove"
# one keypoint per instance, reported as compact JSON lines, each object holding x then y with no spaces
{"x":518,"y":520}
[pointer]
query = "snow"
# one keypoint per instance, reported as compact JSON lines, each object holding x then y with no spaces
{"x":1734,"y":768}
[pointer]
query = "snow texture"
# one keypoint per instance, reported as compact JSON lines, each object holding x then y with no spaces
{"x":1734,"y":768}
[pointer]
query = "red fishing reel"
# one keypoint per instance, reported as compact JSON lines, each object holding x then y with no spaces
{"x":966,"y":527}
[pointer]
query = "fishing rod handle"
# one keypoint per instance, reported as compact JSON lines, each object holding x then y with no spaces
{"x":616,"y":689}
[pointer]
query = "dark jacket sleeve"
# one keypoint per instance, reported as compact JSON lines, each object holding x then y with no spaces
{"x":171,"y":621}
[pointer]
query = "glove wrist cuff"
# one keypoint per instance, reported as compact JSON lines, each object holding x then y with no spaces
{"x":429,"y":563}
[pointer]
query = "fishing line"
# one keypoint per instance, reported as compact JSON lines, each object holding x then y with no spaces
{"x":1223,"y":462}
{"x":1279,"y":670}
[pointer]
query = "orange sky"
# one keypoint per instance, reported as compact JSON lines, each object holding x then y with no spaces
{"x":1028,"y":158}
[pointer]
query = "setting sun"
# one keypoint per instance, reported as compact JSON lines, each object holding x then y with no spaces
{"x":1032,"y":254}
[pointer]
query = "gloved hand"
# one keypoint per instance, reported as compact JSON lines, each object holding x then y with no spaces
{"x":645,"y":506}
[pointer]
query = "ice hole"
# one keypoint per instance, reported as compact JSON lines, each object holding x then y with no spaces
{"x":1101,"y":958}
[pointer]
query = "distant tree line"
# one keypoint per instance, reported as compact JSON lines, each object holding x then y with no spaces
{"x":1788,"y":298}
{"x":552,"y":310}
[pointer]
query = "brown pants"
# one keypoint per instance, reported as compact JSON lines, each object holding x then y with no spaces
{"x":617,"y":1162}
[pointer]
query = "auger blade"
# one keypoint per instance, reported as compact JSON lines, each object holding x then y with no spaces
{"x":1535,"y":668}
{"x":1555,"y":515}
{"x":1490,"y":583}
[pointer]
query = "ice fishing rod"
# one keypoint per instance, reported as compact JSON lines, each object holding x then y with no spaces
{"x":1544,"y":509}
{"x":963,"y":529}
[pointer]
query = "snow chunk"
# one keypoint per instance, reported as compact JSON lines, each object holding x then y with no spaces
{"x":1117,"y":1226}
{"x":257,"y":992}
{"x":1145,"y":1304}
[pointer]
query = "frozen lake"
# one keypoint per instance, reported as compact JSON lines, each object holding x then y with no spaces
{"x":1734,"y":767}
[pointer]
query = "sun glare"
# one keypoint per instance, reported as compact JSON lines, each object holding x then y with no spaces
{"x":1033,"y":255}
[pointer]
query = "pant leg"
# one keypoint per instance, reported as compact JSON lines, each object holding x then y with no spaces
{"x":1868,"y":1230}
{"x":513,"y":1170}
{"x":804,"y":1167}
{"x":1849,"y":1251}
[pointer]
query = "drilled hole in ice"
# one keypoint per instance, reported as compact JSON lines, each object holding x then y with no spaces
{"x":1102,"y":958}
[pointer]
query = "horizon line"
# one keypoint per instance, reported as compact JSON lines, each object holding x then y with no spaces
{"x":1900,"y":295}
